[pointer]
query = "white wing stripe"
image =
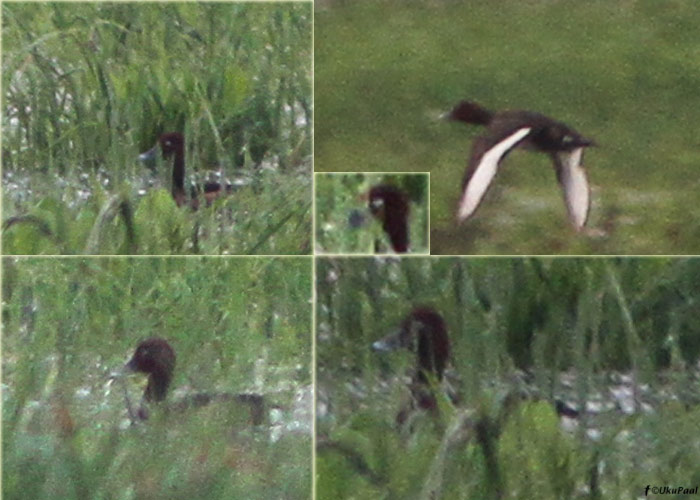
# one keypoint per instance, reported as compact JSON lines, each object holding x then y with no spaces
{"x":575,"y":185}
{"x":484,"y":173}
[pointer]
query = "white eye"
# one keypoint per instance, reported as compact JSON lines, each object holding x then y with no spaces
{"x":168,"y":143}
{"x":377,"y":203}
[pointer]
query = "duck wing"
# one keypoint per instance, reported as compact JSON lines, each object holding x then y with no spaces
{"x":574,"y":184}
{"x":487,"y":154}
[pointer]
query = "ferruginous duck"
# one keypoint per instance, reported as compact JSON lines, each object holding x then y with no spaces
{"x":507,"y":130}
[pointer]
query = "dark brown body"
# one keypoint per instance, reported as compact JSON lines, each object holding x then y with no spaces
{"x":390,"y":205}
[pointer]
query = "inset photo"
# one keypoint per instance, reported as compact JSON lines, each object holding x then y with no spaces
{"x":360,"y":213}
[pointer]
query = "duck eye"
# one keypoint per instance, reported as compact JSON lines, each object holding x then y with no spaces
{"x":377,"y":203}
{"x":168,"y":143}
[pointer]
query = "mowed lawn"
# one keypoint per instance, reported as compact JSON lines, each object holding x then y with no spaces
{"x":626,"y":74}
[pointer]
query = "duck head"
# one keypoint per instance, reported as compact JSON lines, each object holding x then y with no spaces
{"x":469,"y":112}
{"x":424,"y":333}
{"x":156,"y":358}
{"x":169,"y":143}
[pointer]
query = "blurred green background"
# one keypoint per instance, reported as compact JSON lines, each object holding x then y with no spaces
{"x":623,"y":73}
{"x":577,"y":326}
{"x":67,"y":324}
{"x":89,"y":86}
{"x":339,"y":196}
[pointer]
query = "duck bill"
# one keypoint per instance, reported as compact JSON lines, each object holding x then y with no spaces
{"x":389,"y":343}
{"x":130,"y":366}
{"x":149,"y":155}
{"x":446,"y":116}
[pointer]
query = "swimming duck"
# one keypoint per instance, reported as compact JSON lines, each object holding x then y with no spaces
{"x":390,"y":206}
{"x":423,"y":332}
{"x":156,"y":358}
{"x":173,"y":144}
{"x":507,"y":130}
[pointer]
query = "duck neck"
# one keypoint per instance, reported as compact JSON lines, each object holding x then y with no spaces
{"x":157,"y":388}
{"x":481,"y":116}
{"x":471,"y":112}
{"x":396,"y":225}
{"x":398,"y":234}
{"x":427,"y":361}
{"x":178,"y":189}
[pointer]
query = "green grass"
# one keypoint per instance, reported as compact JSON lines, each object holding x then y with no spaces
{"x":622,"y":73}
{"x":68,"y":323}
{"x":89,"y":86}
{"x":589,"y":317}
{"x":337,"y":196}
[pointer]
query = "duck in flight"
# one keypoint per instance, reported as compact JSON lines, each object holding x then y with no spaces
{"x":507,"y":130}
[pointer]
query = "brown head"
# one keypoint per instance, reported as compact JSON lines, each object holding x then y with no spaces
{"x":156,"y":358}
{"x":171,"y":143}
{"x":469,"y":112}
